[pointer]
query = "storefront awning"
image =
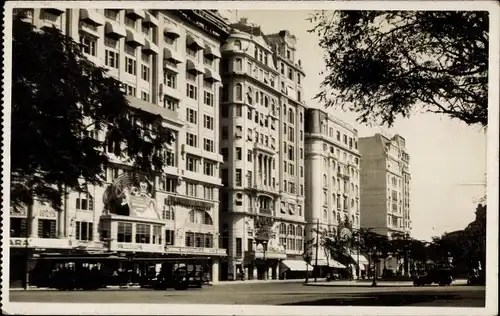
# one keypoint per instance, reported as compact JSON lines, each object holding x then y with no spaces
{"x":295,"y":265}
{"x":362,"y":259}
{"x":330,"y":263}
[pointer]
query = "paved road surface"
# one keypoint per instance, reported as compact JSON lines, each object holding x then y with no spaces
{"x":274,"y":294}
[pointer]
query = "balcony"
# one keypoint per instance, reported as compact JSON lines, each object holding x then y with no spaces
{"x":263,"y":255}
{"x":195,"y":251}
{"x":264,"y":148}
{"x":264,"y":188}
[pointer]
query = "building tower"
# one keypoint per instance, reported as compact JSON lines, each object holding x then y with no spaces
{"x":332,"y":180}
{"x":385,"y":186}
{"x":262,"y":112}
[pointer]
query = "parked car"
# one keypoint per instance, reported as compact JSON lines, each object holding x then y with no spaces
{"x":439,"y":276}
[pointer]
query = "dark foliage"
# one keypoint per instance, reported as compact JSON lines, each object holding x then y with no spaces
{"x":384,"y":64}
{"x":60,"y":100}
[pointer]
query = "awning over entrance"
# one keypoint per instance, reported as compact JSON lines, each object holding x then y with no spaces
{"x":362,"y":259}
{"x":330,"y":263}
{"x":295,"y":265}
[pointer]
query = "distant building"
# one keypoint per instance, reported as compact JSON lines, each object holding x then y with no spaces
{"x":385,"y":184}
{"x":332,"y":179}
{"x":261,"y":142}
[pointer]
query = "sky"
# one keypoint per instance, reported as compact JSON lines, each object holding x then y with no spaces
{"x":448,"y":158}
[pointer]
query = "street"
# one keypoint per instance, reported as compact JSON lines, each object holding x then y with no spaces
{"x":274,"y":294}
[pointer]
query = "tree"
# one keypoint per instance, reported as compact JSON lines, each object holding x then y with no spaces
{"x":60,"y":102}
{"x":383,"y":64}
{"x":400,"y":246}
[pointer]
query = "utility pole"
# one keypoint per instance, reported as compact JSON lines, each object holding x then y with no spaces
{"x":317,"y":250}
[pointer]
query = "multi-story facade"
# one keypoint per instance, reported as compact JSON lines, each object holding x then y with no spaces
{"x":169,"y":63}
{"x":332,"y":180}
{"x":262,"y":112}
{"x":385,"y":184}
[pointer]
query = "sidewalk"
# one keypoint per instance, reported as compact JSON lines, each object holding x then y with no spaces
{"x":266,"y":281}
{"x":368,"y":283}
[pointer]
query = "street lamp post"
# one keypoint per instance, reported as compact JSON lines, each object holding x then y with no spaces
{"x":376,"y":254}
{"x":264,"y":243}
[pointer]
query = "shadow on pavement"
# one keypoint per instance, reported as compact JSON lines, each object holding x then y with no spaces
{"x":392,"y":299}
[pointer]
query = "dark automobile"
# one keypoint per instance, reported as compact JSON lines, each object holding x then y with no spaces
{"x":181,"y":279}
{"x":439,"y":276}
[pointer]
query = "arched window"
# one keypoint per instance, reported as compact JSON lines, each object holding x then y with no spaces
{"x":352,"y":203}
{"x":291,"y":230}
{"x":266,"y":101}
{"x":298,"y":231}
{"x":325,"y":181}
{"x":237,"y":44}
{"x":256,"y":96}
{"x":352,"y":219}
{"x":282,"y":229}
{"x":207,"y":219}
{"x":239,"y":199}
{"x":239,"y":92}
{"x":338,"y":217}
{"x":333,"y":182}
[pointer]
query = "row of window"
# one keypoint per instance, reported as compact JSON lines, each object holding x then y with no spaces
{"x":348,"y":141}
{"x":354,"y":220}
{"x":144,"y":233}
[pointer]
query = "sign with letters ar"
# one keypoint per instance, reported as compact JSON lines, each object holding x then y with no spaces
{"x":19,"y":242}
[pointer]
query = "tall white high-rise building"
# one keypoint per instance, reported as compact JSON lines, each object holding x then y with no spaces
{"x":262,"y":143}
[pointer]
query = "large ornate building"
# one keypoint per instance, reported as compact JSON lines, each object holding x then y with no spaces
{"x":169,"y":63}
{"x":262,"y":137}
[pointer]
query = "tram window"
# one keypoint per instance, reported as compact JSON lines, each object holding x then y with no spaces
{"x":124,"y":232}
{"x":143,"y":234}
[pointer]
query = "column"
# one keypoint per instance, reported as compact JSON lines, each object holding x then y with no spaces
{"x":275,"y":271}
{"x":215,"y":270}
{"x":60,"y":223}
{"x":270,"y":162}
{"x":260,"y":170}
{"x":265,"y":170}
{"x":32,"y":220}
